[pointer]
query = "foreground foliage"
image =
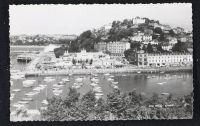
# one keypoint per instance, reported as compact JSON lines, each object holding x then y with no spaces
{"x":117,"y":106}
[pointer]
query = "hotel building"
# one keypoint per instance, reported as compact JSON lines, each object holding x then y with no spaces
{"x":173,"y":59}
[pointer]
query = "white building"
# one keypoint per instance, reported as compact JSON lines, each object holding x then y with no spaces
{"x":163,"y":59}
{"x":118,"y":47}
{"x":169,"y":59}
{"x":147,"y":38}
{"x":136,"y":38}
{"x":138,"y":20}
{"x":167,"y":47}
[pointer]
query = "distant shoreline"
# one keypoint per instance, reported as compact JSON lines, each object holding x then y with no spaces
{"x":103,"y":71}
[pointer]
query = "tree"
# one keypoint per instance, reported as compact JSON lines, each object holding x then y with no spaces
{"x":171,"y":32}
{"x":158,"y":30}
{"x":59,"y":52}
{"x":159,"y":48}
{"x":91,"y":61}
{"x":74,"y":61}
{"x":149,"y":48}
{"x":136,"y":45}
{"x":179,"y":47}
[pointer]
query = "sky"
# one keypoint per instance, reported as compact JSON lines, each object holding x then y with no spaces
{"x":74,"y":19}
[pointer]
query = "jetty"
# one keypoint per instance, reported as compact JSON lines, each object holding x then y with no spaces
{"x":103,"y":71}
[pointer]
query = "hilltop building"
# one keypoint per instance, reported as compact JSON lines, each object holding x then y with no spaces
{"x":138,"y":20}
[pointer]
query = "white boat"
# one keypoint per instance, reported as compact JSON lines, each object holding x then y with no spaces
{"x":49,"y":79}
{"x":16,"y":90}
{"x":28,"y":83}
{"x":23,"y":102}
{"x":65,"y":79}
{"x":57,"y":94}
{"x":111,"y":76}
{"x":98,"y":94}
{"x":139,"y":72}
{"x":95,"y":80}
{"x":110,"y":79}
{"x":106,"y":74}
{"x":98,"y":90}
{"x":45,"y":102}
{"x":17,"y":105}
{"x":27,"y":99}
{"x":161,"y":83}
{"x":98,"y":97}
{"x":115,"y":82}
{"x":43,"y":108}
{"x":79,"y":79}
{"x":76,"y":86}
{"x":148,"y":77}
{"x":57,"y":86}
{"x":57,"y":91}
{"x":164,"y":93}
{"x":31,"y":94}
{"x":11,"y":83}
{"x":93,"y":84}
{"x":162,"y":72}
{"x":115,"y":87}
{"x":124,"y":75}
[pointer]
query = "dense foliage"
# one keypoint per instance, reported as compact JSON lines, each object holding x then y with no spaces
{"x":117,"y":106}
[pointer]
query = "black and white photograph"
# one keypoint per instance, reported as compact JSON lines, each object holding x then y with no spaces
{"x":103,"y":62}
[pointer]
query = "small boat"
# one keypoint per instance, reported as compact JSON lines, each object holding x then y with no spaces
{"x":58,"y":86}
{"x":106,"y":74}
{"x":76,"y":86}
{"x":11,"y":83}
{"x":17,"y":105}
{"x":110,"y":79}
{"x":16,"y":90}
{"x":115,"y":87}
{"x":148,"y":77}
{"x":95,"y":80}
{"x":98,"y":97}
{"x":57,"y":94}
{"x":70,"y":74}
{"x":98,"y":94}
{"x":65,"y":79}
{"x":23,"y":102}
{"x":161,"y":83}
{"x":93,"y":84}
{"x":45,"y":102}
{"x":49,"y":79}
{"x":43,"y":108}
{"x":162,"y":72}
{"x":57,"y":91}
{"x":164,"y":93}
{"x":27,"y":99}
{"x":124,"y":75}
{"x":115,"y":82}
{"x":139,"y":72}
{"x":111,"y":76}
{"x":80,"y":79}
{"x":31,"y":94}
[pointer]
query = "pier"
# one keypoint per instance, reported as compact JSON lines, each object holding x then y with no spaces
{"x":101,"y":71}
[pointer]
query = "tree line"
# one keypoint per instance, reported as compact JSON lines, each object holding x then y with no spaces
{"x":117,"y":106}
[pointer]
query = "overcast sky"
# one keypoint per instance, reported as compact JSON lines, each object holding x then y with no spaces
{"x":74,"y":19}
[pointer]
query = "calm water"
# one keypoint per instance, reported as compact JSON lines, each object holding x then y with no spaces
{"x":178,"y":84}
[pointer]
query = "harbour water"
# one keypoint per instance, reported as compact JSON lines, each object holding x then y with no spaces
{"x":176,"y":83}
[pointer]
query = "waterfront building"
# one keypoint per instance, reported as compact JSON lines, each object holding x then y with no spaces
{"x":118,"y":47}
{"x":143,"y":59}
{"x":138,"y":20}
{"x":101,"y":46}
